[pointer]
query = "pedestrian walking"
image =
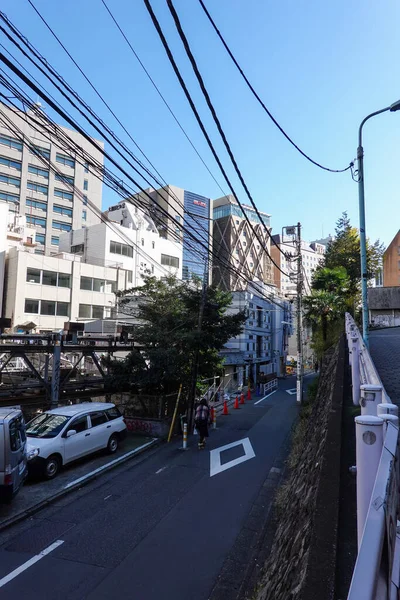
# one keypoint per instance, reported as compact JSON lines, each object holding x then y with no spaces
{"x":202,"y":416}
{"x":316,"y":366}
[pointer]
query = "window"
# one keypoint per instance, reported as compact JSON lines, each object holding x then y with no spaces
{"x":142,"y":241}
{"x":113,"y":413}
{"x":62,"y":309}
{"x":86,"y":167}
{"x":49,"y":278}
{"x":77,"y":248}
{"x":38,"y":171}
{"x":32,"y":276}
{"x":64,"y":178}
{"x":38,"y":221}
{"x":98,"y":418}
{"x":36,"y":204}
{"x":97,"y":312}
{"x":55,"y":240}
{"x":86,"y":185}
{"x":118,"y":248}
{"x":80,"y":424}
{"x":129,"y":276}
{"x":98,"y":285}
{"x":32,"y":306}
{"x":8,"y":162}
{"x":170,"y":261}
{"x":9,"y":197}
{"x":10,"y":142}
{"x":153,"y":245}
{"x":36,"y":187}
{"x":86,"y":283}
{"x":64,"y":279}
{"x":84,"y":215}
{"x":39,"y":151}
{"x":17,"y":433}
{"x":65,"y":160}
{"x":47,"y":307}
{"x":61,"y":226}
{"x":85,"y":311}
{"x":40,"y":238}
{"x":84,"y":200}
{"x":64,"y":195}
{"x":62,"y":210}
{"x":10,"y":180}
{"x":46,"y":425}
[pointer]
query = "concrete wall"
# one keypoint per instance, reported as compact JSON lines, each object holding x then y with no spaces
{"x":384,"y":298}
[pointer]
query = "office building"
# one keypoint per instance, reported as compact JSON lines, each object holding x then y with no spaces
{"x":312,"y":255}
{"x":52,"y":202}
{"x":239,"y":247}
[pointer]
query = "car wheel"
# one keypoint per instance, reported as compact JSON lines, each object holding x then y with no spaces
{"x":112,"y":445}
{"x":52,"y":467}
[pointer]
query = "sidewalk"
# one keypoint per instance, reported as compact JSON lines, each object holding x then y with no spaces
{"x":38,"y":493}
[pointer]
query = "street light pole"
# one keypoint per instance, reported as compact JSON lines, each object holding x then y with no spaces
{"x":363,"y":237}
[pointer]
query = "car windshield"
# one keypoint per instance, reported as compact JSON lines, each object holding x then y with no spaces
{"x":46,"y":425}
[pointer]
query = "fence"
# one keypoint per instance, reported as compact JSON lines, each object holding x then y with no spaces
{"x":377,"y":571}
{"x":270,"y":386}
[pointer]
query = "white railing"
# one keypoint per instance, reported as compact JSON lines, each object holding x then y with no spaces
{"x":270,"y":386}
{"x":376,"y":574}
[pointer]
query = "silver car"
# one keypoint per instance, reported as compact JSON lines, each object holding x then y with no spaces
{"x":12,"y":452}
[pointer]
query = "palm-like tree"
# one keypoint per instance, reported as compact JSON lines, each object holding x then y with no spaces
{"x":323,"y":307}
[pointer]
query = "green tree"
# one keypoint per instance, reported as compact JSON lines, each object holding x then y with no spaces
{"x":166,"y":312}
{"x":322,"y":308}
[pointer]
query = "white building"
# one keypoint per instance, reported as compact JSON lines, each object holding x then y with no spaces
{"x":52,"y":202}
{"x":79,"y":282}
{"x":261,"y":348}
{"x":312,"y":254}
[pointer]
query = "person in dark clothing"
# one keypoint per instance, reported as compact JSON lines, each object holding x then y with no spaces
{"x":201,"y":421}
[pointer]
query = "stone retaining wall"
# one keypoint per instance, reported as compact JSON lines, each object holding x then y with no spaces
{"x":301,"y":565}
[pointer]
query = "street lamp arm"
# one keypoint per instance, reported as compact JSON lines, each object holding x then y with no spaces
{"x":377,"y":112}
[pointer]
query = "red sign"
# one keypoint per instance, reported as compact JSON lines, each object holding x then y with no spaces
{"x":199,"y":203}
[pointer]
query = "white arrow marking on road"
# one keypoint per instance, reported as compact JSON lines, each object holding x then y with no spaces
{"x":215,"y":456}
{"x":30,"y":562}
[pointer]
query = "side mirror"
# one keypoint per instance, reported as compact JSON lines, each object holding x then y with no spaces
{"x":70,"y":433}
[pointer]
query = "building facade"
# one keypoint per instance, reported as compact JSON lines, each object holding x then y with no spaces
{"x":261,"y":349}
{"x":235,"y":244}
{"x":391,"y":263}
{"x":312,"y":255}
{"x":53,"y":202}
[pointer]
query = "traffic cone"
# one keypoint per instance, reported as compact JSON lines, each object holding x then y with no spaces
{"x":242,"y":398}
{"x":236,"y":405}
{"x":248,"y":394}
{"x":212,"y":413}
{"x":225,"y":411}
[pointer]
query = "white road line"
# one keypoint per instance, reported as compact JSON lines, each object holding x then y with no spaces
{"x":292,"y":391}
{"x":113,"y":462}
{"x":107,"y":497}
{"x":265,"y":397}
{"x":29,"y":563}
{"x":215,"y":456}
{"x":162,"y":469}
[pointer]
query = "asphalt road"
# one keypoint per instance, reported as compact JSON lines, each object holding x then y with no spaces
{"x":159,"y":527}
{"x":385,"y":352}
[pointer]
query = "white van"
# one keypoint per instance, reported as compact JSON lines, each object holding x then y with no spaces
{"x":12,"y":452}
{"x":62,"y":435}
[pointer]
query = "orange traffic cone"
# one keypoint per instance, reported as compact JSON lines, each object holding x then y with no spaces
{"x":242,"y":398}
{"x":212,"y":413}
{"x":248,"y":394}
{"x":236,"y":405}
{"x":225,"y":411}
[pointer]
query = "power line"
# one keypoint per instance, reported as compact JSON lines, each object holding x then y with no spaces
{"x":201,"y":125}
{"x":255,"y":94}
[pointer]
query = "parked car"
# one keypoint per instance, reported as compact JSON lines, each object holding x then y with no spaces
{"x":60,"y":436}
{"x":12,"y":452}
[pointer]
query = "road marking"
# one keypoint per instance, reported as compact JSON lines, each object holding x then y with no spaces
{"x":113,"y":462}
{"x":274,"y":470}
{"x":215,"y":456}
{"x":107,"y":497}
{"x":265,"y":397}
{"x":30,"y":562}
{"x":292,"y":391}
{"x":162,"y":469}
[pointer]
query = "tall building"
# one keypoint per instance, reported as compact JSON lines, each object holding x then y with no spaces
{"x":52,"y":203}
{"x":181,"y":207}
{"x":391,"y":263}
{"x":311,"y":253}
{"x":235,"y":244}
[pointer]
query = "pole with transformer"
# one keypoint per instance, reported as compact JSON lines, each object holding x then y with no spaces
{"x":299,"y":371}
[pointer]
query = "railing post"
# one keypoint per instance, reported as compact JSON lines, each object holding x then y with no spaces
{"x":355,"y":367}
{"x":388,"y":418}
{"x":369,"y":442}
{"x":387,"y":409}
{"x":371,"y":397}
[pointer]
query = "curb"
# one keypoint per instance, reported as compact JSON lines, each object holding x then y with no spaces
{"x":80,"y":482}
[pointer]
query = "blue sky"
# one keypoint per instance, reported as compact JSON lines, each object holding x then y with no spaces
{"x":319,"y":66}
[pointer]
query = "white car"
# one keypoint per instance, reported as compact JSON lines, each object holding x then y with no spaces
{"x":60,"y":436}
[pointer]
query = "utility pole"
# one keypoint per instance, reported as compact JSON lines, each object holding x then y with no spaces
{"x":195,"y":365}
{"x":299,"y":372}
